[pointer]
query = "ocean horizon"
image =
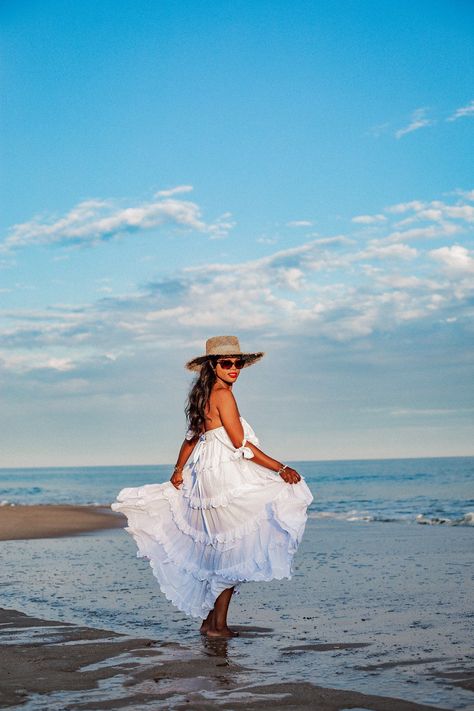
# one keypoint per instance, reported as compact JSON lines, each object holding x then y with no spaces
{"x":423,"y":490}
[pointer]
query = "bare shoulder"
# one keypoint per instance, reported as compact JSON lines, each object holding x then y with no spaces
{"x":224,"y":400}
{"x":223,"y":395}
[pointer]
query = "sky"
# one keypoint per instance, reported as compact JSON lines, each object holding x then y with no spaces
{"x":298,"y":174}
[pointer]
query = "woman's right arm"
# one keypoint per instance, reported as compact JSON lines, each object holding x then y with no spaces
{"x":230,"y":418}
{"x":183,"y":456}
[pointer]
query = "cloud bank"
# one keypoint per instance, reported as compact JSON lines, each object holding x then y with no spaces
{"x":404,"y":265}
{"x":92,"y":222}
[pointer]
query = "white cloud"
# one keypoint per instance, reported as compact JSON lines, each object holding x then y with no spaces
{"x":401,"y":281}
{"x":438,"y":211}
{"x":334,"y":241}
{"x":467,"y":110}
{"x":430,"y":412}
{"x":165,"y":314}
{"x":384,"y":251}
{"x":428,"y":232}
{"x":94,"y":221}
{"x":22,"y":363}
{"x":456,"y":259}
{"x":466,"y":194}
{"x":221,"y":226}
{"x":299,"y":223}
{"x":174,"y":191}
{"x":291,"y":278}
{"x":438,"y":219}
{"x":405,"y":206}
{"x":418,"y":120}
{"x":368,"y":219}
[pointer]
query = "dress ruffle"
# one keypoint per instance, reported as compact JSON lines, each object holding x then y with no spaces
{"x":231,"y":521}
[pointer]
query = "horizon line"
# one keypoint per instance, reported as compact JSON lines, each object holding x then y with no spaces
{"x":294,"y":461}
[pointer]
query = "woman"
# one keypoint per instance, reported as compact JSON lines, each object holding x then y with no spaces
{"x":232,"y":514}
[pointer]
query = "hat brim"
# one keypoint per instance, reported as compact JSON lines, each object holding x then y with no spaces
{"x":249,"y":358}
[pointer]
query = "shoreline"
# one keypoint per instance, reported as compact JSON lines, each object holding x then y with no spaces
{"x":24,"y":521}
{"x":115,"y":669}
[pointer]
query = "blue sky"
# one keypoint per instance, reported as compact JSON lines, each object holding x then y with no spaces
{"x":296,"y":173}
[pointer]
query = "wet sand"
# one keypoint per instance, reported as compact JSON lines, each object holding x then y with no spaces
{"x":53,"y":520}
{"x":69,"y":666}
{"x":376,"y":617}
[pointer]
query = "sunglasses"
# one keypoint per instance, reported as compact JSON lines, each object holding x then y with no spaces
{"x":227,"y":364}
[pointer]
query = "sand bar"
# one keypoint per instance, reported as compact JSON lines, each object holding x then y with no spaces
{"x":107,"y":670}
{"x":51,"y":520}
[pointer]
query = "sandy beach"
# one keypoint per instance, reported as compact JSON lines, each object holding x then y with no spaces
{"x":106,"y":670}
{"x":53,"y":520}
{"x":376,"y":617}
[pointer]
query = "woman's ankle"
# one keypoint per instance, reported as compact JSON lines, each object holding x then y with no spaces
{"x":219,"y":625}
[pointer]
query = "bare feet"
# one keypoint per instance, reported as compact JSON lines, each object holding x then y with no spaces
{"x":207,"y":623}
{"x":215,"y":624}
{"x":204,"y":627}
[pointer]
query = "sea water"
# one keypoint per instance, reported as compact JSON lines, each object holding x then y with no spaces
{"x":423,"y":490}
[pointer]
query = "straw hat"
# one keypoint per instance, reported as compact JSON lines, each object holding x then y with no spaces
{"x":223,"y":346}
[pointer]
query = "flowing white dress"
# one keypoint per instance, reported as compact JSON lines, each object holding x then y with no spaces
{"x":231,"y":521}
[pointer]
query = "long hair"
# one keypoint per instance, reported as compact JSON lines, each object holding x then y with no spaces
{"x":199,"y":396}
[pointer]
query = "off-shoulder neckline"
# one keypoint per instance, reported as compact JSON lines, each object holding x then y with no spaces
{"x":213,"y":429}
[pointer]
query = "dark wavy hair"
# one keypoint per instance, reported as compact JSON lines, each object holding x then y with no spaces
{"x":199,"y":396}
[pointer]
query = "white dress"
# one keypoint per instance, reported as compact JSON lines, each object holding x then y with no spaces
{"x":231,"y":521}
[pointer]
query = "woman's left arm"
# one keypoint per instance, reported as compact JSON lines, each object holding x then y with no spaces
{"x":229,"y":414}
{"x":183,"y":456}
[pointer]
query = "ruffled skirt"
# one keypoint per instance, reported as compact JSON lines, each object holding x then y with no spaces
{"x":230,"y":522}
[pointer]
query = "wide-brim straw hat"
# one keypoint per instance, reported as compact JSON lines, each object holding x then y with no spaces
{"x":223,"y":346}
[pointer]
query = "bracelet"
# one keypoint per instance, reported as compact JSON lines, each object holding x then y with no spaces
{"x":177,"y":469}
{"x":282,"y":469}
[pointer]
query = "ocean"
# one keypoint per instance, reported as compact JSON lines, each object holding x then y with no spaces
{"x":432,"y":491}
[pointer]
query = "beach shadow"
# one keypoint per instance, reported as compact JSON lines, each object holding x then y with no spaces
{"x":252,"y":631}
{"x":398,"y":663}
{"x":462,"y":677}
